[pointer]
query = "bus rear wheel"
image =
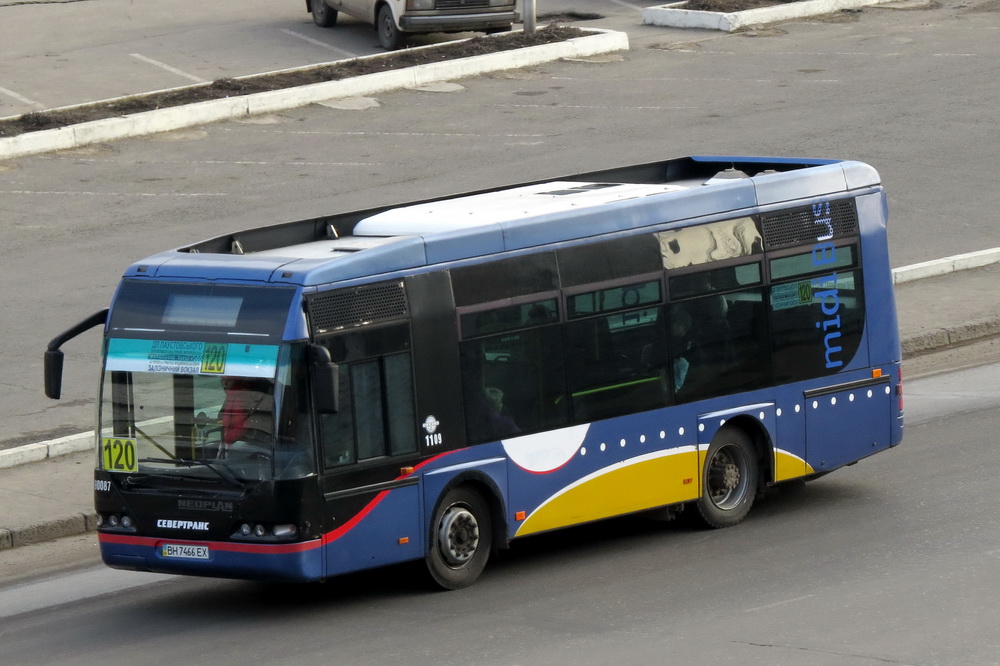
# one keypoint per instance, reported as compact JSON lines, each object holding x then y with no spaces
{"x":729,"y":480}
{"x":461,"y":539}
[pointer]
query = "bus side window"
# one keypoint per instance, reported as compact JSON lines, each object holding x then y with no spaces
{"x":718,"y":332}
{"x":519,"y":372}
{"x":719,"y":344}
{"x":377,"y":412}
{"x":616,"y":364}
{"x":816,"y":325}
{"x":337,"y":430}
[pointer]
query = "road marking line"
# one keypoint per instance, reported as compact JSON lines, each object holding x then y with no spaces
{"x":21,"y":98}
{"x":364,"y":133}
{"x":777,"y":603}
{"x":791,"y":53}
{"x":173,"y":70}
{"x":629,"y":5}
{"x":120,"y":194}
{"x":235,"y":162}
{"x":317,"y":42}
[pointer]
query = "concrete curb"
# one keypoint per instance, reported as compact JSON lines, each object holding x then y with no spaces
{"x":49,"y":530}
{"x":672,"y":15}
{"x":164,"y":120}
{"x":52,"y":448}
{"x":939,"y":338}
{"x":936,"y":267}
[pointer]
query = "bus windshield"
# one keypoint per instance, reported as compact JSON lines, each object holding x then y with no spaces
{"x":232,"y":428}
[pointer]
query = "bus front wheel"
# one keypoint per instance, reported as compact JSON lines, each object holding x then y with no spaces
{"x":729,"y":480}
{"x":461,"y":539}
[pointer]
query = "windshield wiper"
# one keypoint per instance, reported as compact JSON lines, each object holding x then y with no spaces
{"x":147,"y":479}
{"x":224,"y":475}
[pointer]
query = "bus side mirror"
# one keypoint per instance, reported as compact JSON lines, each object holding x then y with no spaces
{"x":53,"y":373}
{"x":53,"y":366}
{"x":325,"y":381}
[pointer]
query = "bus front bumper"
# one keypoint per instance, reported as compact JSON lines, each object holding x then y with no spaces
{"x":295,"y":562}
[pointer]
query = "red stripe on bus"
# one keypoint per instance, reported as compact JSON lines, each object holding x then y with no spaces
{"x":222,"y":546}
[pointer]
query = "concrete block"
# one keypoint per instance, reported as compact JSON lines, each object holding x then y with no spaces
{"x":674,"y":14}
{"x":924,"y":269}
{"x":23,"y":454}
{"x":48,"y":530}
{"x":925,"y":341}
{"x":6,"y":540}
{"x":975,"y":330}
{"x":70,"y":444}
{"x":90,"y":519}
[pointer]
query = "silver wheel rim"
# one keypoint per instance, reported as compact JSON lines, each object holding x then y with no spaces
{"x":727,"y":477}
{"x":458,"y":536}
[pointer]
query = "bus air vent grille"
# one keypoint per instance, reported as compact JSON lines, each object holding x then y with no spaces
{"x":360,"y":306}
{"x":804,"y":225}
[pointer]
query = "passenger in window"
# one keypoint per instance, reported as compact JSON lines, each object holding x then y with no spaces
{"x":487,"y":420}
{"x":682,"y":345}
{"x":502,"y":425}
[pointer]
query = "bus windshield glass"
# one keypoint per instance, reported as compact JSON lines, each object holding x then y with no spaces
{"x":165,"y":419}
{"x":196,"y":385}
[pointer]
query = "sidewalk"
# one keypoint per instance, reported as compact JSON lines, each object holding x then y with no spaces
{"x":53,"y":498}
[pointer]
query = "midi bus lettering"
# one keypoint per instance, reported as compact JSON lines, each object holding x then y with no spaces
{"x":825,"y":288}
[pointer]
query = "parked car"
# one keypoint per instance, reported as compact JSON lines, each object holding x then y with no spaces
{"x":394,"y":20}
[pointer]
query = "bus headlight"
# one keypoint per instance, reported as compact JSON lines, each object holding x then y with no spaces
{"x":285,"y":531}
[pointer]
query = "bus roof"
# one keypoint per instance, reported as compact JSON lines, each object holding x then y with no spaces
{"x":410,"y":236}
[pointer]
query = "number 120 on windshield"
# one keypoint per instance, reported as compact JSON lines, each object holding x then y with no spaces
{"x":118,"y":454}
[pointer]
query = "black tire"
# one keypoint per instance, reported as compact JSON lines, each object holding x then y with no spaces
{"x":389,"y":36}
{"x":729,"y":479}
{"x":323,"y":15}
{"x":460,"y":540}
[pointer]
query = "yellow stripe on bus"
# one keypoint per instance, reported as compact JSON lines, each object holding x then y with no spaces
{"x":644,"y":482}
{"x":789,"y":466}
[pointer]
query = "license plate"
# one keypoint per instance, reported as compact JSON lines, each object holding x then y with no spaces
{"x":184,"y":551}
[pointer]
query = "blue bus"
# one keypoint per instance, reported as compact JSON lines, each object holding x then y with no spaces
{"x":430,"y":381}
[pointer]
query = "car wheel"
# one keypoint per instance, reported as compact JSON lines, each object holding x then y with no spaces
{"x":323,"y":15}
{"x":389,"y":36}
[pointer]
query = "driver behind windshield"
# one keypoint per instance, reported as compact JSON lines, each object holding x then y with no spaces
{"x":247,"y":414}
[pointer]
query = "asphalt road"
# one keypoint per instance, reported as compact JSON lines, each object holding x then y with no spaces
{"x":892,"y":561}
{"x":910,"y":91}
